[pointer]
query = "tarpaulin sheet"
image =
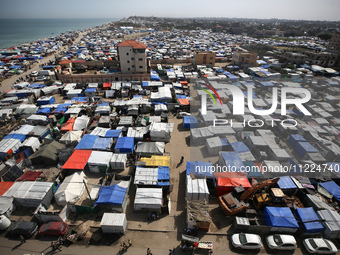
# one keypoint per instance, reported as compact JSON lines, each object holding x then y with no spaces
{"x":111,"y":195}
{"x":304,"y":147}
{"x":79,"y":99}
{"x":309,"y":219}
{"x":252,"y":170}
{"x":60,"y":110}
{"x":102,"y":143}
{"x":77,"y":160}
{"x":239,"y":147}
{"x":279,"y":217}
{"x":190,"y":122}
{"x":44,"y":110}
{"x":156,"y":160}
{"x":332,"y":188}
{"x":226,"y":181}
{"x":68,"y":126}
{"x":4,"y":186}
{"x":293,"y":139}
{"x":286,"y":182}
{"x":200,"y":168}
{"x":15,"y":136}
{"x":87,"y":142}
{"x":30,"y":176}
{"x":184,"y":101}
{"x":107,"y":85}
{"x":232,"y":160}
{"x":115,"y":133}
{"x":125,"y":145}
{"x":90,"y":90}
{"x":163,"y":173}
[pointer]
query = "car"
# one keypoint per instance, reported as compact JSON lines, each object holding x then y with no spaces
{"x":319,"y":246}
{"x":24,"y":228}
{"x":41,"y":78}
{"x":53,"y":228}
{"x":246,"y":241}
{"x":34,"y":73}
{"x":281,"y":242}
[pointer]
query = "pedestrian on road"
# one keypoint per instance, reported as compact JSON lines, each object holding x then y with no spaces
{"x":130,"y":242}
{"x":22,"y":239}
{"x":148,"y":252}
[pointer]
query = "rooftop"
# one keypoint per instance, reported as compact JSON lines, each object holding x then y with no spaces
{"x":133,"y":43}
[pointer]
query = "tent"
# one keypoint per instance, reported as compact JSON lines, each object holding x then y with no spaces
{"x":30,"y":176}
{"x":71,"y":189}
{"x":280,"y":219}
{"x":45,"y":100}
{"x":99,"y":161}
{"x":81,"y":123}
{"x":8,"y":146}
{"x":118,"y":161}
{"x":159,"y":176}
{"x":155,"y":160}
{"x":6,"y":206}
{"x":87,"y":142}
{"x":106,"y":132}
{"x":48,"y":154}
{"x":160,"y":131}
{"x":331,"y":221}
{"x":113,"y":195}
{"x":190,"y":122}
{"x":150,"y":148}
{"x":12,"y":174}
{"x":68,"y":126}
{"x":309,"y":220}
{"x":197,"y":189}
{"x":302,"y":148}
{"x":32,"y":144}
{"x":71,"y":137}
{"x":226,"y":181}
{"x":216,"y":144}
{"x":200,"y":169}
{"x":125,"y":145}
{"x":149,"y":199}
{"x":4,"y":186}
{"x":332,"y":188}
{"x":78,"y":160}
{"x":40,"y":132}
{"x":231,"y":161}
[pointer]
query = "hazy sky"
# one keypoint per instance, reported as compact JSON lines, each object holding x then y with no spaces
{"x":284,"y":9}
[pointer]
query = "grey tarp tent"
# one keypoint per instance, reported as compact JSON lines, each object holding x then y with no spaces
{"x":48,"y":154}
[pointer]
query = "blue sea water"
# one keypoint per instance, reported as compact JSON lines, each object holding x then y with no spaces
{"x":14,"y":32}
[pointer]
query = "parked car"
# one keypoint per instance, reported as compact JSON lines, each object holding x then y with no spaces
{"x":25,"y":228}
{"x":320,"y":246}
{"x":246,"y":241}
{"x":281,"y":242}
{"x":53,"y":228}
{"x":34,"y":73}
{"x":41,"y":78}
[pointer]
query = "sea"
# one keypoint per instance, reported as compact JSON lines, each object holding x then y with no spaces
{"x":14,"y":32}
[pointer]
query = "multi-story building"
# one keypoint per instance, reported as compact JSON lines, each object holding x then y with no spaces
{"x":132,"y":57}
{"x":244,"y":58}
{"x":205,"y":58}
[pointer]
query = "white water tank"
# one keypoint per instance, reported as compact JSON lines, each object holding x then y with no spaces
{"x":4,"y":222}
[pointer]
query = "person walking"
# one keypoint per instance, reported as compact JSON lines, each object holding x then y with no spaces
{"x":22,"y":239}
{"x":148,"y":251}
{"x":130,"y":242}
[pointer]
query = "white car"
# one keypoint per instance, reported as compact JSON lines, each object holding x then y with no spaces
{"x":41,"y":78}
{"x":34,"y":73}
{"x":246,"y":241}
{"x":320,"y":246}
{"x":281,"y":242}
{"x":180,"y":115}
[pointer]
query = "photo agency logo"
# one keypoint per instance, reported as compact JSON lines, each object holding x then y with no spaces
{"x":288,"y":96}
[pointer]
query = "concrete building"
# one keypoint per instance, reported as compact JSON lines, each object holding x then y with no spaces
{"x":205,"y":58}
{"x":244,"y":58}
{"x":132,"y":57}
{"x":334,"y":43}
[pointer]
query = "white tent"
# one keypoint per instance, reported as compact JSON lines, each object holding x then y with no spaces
{"x":197,"y":189}
{"x":6,"y":206}
{"x":71,"y":189}
{"x":161,"y":131}
{"x":71,"y":137}
{"x":81,"y":123}
{"x":31,"y":142}
{"x":99,"y":161}
{"x":150,"y":148}
{"x":148,"y":198}
{"x":73,"y":93}
{"x":118,"y":161}
{"x":9,"y":144}
{"x":103,"y":110}
{"x":113,"y":223}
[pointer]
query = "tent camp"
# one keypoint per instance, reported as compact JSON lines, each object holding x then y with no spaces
{"x":48,"y":154}
{"x":71,"y":189}
{"x":332,"y":188}
{"x":150,"y":148}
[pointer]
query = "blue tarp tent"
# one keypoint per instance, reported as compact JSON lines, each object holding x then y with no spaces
{"x":113,"y":195}
{"x":60,"y":110}
{"x":79,"y":99}
{"x":252,"y":170}
{"x":190,"y":122}
{"x":309,"y":219}
{"x":15,"y":67}
{"x":48,"y":67}
{"x":163,"y":176}
{"x":286,"y":182}
{"x":90,"y":90}
{"x":125,"y":145}
{"x":87,"y":142}
{"x":45,"y":110}
{"x":232,"y":160}
{"x":302,"y":148}
{"x":115,"y":133}
{"x":36,"y":86}
{"x":200,"y":168}
{"x":332,"y":188}
{"x":15,"y":136}
{"x":279,"y":217}
{"x":267,"y":84}
{"x":239,"y":147}
{"x":45,"y":100}
{"x":102,"y":143}
{"x":293,"y":139}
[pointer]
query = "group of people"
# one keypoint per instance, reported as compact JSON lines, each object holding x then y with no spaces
{"x":125,"y":247}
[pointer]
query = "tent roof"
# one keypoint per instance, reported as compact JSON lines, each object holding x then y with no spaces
{"x":77,"y":160}
{"x":279,"y":217}
{"x":30,"y":176}
{"x":48,"y":154}
{"x":111,"y":195}
{"x":309,"y":219}
{"x":332,"y":188}
{"x":4,"y":186}
{"x":232,"y":179}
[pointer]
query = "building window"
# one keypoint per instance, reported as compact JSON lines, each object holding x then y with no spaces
{"x":128,"y":69}
{"x":133,"y":66}
{"x":132,"y":58}
{"x":211,"y":57}
{"x":140,"y":66}
{"x":127,"y":53}
{"x":140,"y":59}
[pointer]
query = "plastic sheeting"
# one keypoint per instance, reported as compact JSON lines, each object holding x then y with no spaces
{"x":77,"y":160}
{"x":286,"y":182}
{"x":190,"y":122}
{"x":68,"y":126}
{"x":279,"y":217}
{"x":200,"y":169}
{"x":148,"y":198}
{"x":309,"y":219}
{"x":106,"y":132}
{"x":302,"y":148}
{"x":71,"y":137}
{"x":114,"y":195}
{"x":81,"y":123}
{"x":231,"y":160}
{"x":332,"y":188}
{"x":150,"y":148}
{"x":125,"y":145}
{"x":226,"y":181}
